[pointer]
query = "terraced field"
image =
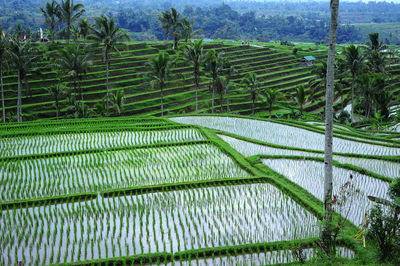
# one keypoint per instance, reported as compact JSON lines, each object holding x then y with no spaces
{"x":276,"y":69}
{"x":154,"y":191}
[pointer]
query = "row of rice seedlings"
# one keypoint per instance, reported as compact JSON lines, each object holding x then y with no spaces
{"x":156,"y":222}
{"x":259,"y":257}
{"x":285,"y":135}
{"x":91,"y":172}
{"x":382,"y":167}
{"x":94,"y":140}
{"x":310,"y":176}
{"x":77,"y":124}
{"x":385,"y":168}
{"x":249,"y":149}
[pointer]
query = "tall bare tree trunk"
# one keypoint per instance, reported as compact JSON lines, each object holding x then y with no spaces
{"x":352,"y":99}
{"x":68,"y":31}
{"x":19,"y":104}
{"x":2,"y":94}
{"x":228,"y":109}
{"x":196,"y":81}
{"x":107,"y":85}
{"x":326,"y":234}
{"x":213,"y":96}
{"x":162,"y":104}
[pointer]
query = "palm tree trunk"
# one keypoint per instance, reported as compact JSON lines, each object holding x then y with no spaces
{"x":57,"y":109}
{"x":221,"y":98}
{"x":326,"y":234}
{"x":352,"y":99}
{"x":2,"y":94}
{"x":175,"y":41}
{"x":227,"y":101}
{"x":19,"y":105}
{"x":68,"y":31}
{"x":28,"y":91}
{"x":213,"y":96}
{"x":253,"y":98}
{"x":107,"y":85}
{"x":196,"y":81}
{"x":162,"y":104}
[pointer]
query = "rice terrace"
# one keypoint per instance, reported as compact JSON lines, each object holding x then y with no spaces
{"x":195,"y":151}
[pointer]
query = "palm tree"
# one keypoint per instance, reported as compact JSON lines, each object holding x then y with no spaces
{"x":192,"y":53}
{"x":300,"y":98}
{"x":271,"y":97}
{"x":225,"y":85}
{"x":171,"y":21}
{"x":252,"y":85}
{"x":160,"y":72}
{"x":318,"y":82}
{"x":106,"y":34}
{"x":165,"y":20}
{"x":214,"y":64}
{"x":370,"y":85}
{"x":74,"y":62}
{"x":385,"y":100}
{"x":186,"y":30}
{"x":354,"y":62}
{"x":326,"y":234}
{"x":117,"y":101}
{"x":23,"y":60}
{"x":374,"y":43}
{"x":69,"y":13}
{"x":4,"y":46}
{"x":51,"y":13}
{"x":376,"y":61}
{"x":84,"y":28}
{"x":57,"y":91}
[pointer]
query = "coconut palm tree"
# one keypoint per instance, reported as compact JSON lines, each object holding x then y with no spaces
{"x":57,"y":91}
{"x":369,"y":86}
{"x":165,"y":20}
{"x":22,"y":58}
{"x":69,"y":13}
{"x":326,"y":233}
{"x":186,"y":30}
{"x":117,"y":101}
{"x":106,"y":34}
{"x":354,"y":62}
{"x":271,"y":97}
{"x":252,"y":85}
{"x":214,"y":64}
{"x":74,"y":62}
{"x":318,"y":82}
{"x":160,"y":72}
{"x":84,"y":27}
{"x":374,"y":44}
{"x":171,"y":22}
{"x":300,"y":98}
{"x":384,"y":101}
{"x":4,"y":46}
{"x":192,"y":53}
{"x":51,"y":13}
{"x":225,"y":85}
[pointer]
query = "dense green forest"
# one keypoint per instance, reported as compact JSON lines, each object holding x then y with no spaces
{"x":264,"y":21}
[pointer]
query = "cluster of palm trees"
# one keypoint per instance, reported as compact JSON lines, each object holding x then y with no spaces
{"x":366,"y":69}
{"x":178,"y":27}
{"x":70,"y":64}
{"x":213,"y":63}
{"x":65,"y":13}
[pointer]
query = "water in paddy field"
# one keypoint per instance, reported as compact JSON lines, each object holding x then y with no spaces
{"x":310,"y":176}
{"x":157,"y":222}
{"x":285,"y":135}
{"x":92,"y":172}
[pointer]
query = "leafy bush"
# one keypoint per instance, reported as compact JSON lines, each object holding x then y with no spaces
{"x":384,"y":226}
